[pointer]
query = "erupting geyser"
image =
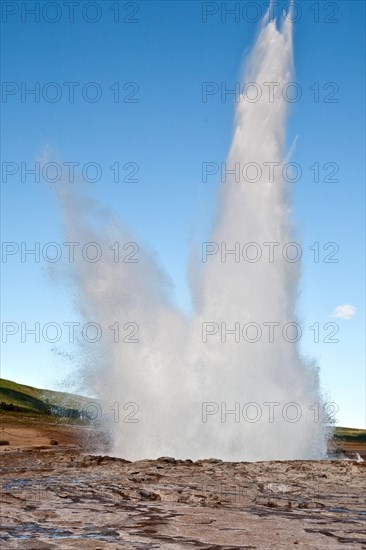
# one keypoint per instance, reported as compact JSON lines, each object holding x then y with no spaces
{"x":182,"y":390}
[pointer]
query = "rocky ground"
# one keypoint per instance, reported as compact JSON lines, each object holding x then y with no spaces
{"x":56,"y":496}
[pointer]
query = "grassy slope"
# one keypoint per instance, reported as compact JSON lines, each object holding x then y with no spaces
{"x":35,"y":399}
{"x":349,"y":434}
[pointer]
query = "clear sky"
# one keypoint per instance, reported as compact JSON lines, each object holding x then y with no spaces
{"x":157,"y":55}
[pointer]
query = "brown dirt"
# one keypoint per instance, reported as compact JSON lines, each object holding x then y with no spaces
{"x":56,"y":496}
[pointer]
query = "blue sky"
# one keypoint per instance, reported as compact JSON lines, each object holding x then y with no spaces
{"x":167,"y":53}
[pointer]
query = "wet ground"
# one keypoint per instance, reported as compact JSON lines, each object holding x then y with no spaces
{"x":58,"y":497}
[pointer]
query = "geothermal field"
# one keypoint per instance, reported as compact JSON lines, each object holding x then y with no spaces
{"x":175,"y":299}
{"x":61,"y":496}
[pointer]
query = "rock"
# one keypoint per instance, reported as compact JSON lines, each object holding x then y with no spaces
{"x":195,"y":503}
{"x":148,"y":495}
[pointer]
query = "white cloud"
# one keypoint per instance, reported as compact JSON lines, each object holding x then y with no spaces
{"x":345,"y":312}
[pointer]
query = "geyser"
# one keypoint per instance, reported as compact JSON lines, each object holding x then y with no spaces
{"x":207,"y":386}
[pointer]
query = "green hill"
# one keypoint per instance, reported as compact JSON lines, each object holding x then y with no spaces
{"x":349,"y":434}
{"x":19,"y":398}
